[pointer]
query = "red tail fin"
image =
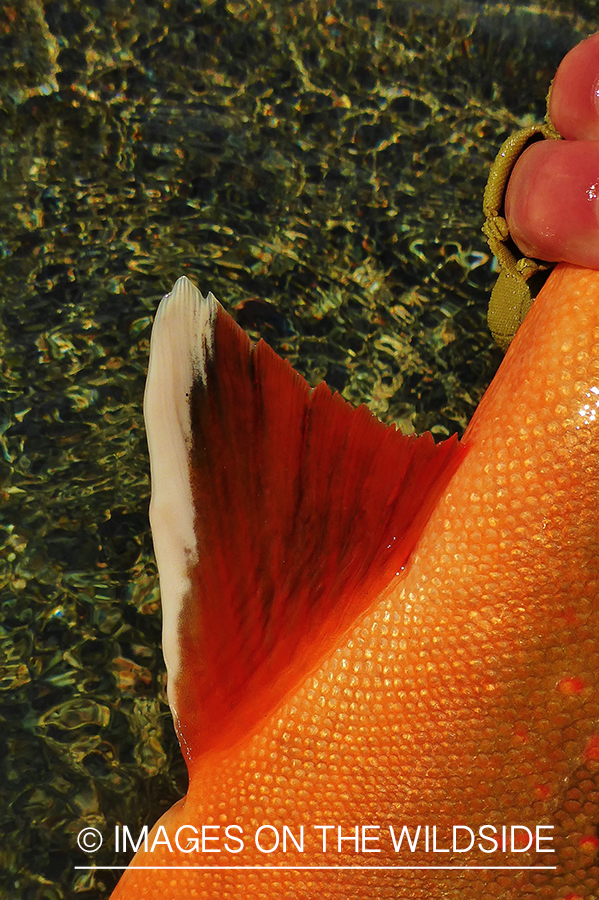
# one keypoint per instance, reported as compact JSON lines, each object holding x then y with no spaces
{"x":279,"y":515}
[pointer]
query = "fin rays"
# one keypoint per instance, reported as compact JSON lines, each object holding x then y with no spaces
{"x":304,"y":509}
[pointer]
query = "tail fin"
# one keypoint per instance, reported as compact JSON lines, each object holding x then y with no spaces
{"x":279,"y":514}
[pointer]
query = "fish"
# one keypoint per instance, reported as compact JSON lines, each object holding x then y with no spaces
{"x":382,"y":652}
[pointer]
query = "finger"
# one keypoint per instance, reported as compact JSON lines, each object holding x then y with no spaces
{"x":552,"y":205}
{"x":574,"y":98}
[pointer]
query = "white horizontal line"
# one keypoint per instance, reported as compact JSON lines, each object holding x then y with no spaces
{"x":302,"y":868}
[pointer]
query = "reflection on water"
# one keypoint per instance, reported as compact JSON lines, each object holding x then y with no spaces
{"x":320,"y":167}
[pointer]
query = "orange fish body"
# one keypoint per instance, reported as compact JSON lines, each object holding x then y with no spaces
{"x":449,"y":683}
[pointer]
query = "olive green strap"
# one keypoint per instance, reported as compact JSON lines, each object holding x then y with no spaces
{"x":520,"y":278}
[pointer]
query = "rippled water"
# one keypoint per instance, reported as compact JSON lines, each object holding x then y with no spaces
{"x":320,"y":167}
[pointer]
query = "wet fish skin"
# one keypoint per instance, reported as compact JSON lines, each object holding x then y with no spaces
{"x":466,"y":692}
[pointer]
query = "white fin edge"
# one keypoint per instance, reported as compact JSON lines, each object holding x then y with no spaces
{"x":182,"y":336}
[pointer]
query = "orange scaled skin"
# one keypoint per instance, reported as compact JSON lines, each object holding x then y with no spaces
{"x":468,"y":694}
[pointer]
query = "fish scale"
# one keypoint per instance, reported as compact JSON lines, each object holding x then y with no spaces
{"x":464,"y":694}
